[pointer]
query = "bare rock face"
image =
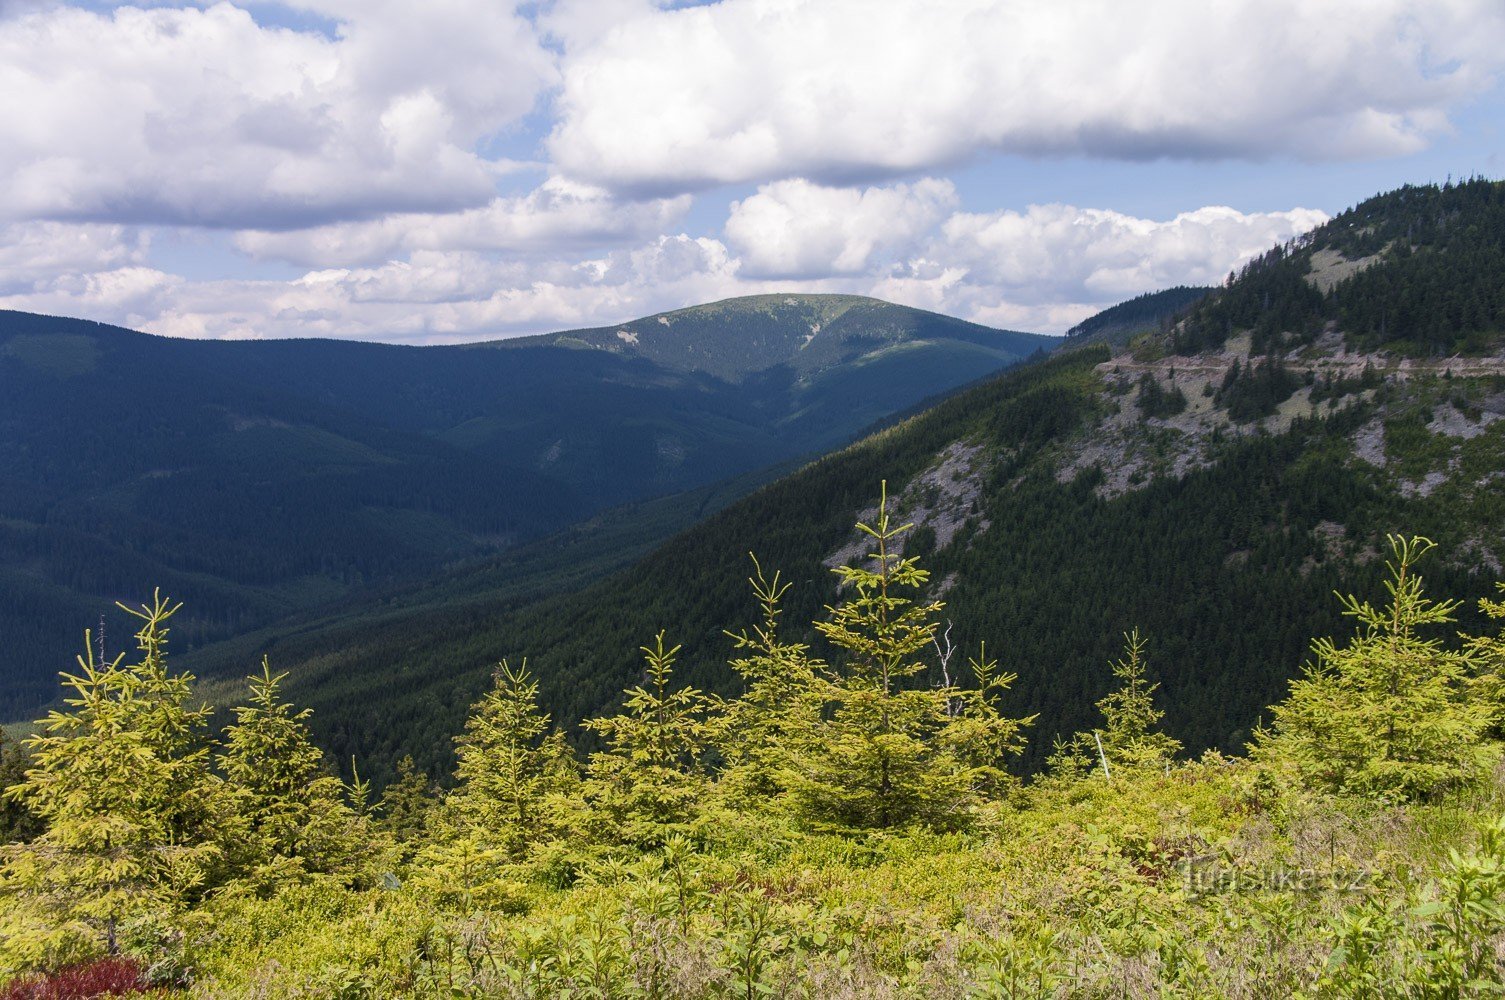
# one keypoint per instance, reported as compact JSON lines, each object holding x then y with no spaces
{"x":943,"y":498}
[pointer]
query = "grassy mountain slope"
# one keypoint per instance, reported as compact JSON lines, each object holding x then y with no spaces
{"x":808,"y":334}
{"x":1215,"y":501}
{"x":255,"y":480}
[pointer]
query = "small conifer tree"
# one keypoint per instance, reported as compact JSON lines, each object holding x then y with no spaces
{"x":980,"y":736}
{"x":518,"y":788}
{"x":406,"y":805}
{"x":649,"y":782}
{"x":1130,"y":719}
{"x":516,"y":775}
{"x":1388,"y":714}
{"x":120,"y":778}
{"x":290,"y":811}
{"x":1487,"y":686}
{"x":880,"y":756}
{"x":1130,"y":736}
{"x":778,"y":707}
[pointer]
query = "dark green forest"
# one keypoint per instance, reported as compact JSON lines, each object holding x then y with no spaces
{"x":264,"y":479}
{"x":1143,"y":313}
{"x":1439,"y":292}
{"x":1226,"y":566}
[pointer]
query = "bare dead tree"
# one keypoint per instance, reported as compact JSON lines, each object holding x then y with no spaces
{"x":944,"y":651}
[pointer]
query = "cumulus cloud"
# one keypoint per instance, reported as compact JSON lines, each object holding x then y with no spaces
{"x":203,"y":117}
{"x":430,"y":297}
{"x":132,"y":296}
{"x":751,"y":90}
{"x":1043,"y":269}
{"x":1051,"y":266}
{"x":576,"y":24}
{"x":1060,"y":252}
{"x":796,"y":229}
{"x":362,"y":146}
{"x":33,"y":254}
{"x":559,"y":214}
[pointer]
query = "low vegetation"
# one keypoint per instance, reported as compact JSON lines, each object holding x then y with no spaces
{"x":848,"y":825}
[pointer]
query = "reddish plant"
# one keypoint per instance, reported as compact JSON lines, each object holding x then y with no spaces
{"x":103,"y":978}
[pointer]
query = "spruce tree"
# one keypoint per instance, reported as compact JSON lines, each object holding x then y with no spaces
{"x":133,"y":816}
{"x":1129,"y":737}
{"x":518,"y":789}
{"x":290,"y":811}
{"x":978,"y":734}
{"x":778,"y":707}
{"x":880,"y":756}
{"x":406,"y":805}
{"x":1488,"y":683}
{"x":1390,"y":713}
{"x":516,"y":775}
{"x":1130,"y":719}
{"x":649,"y":782}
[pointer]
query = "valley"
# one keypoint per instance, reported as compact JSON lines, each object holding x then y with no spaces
{"x":1114,"y":641}
{"x":560,"y":500}
{"x":1069,"y":498}
{"x":267,"y":482}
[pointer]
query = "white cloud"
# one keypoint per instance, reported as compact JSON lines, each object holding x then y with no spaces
{"x":34,"y":253}
{"x":203,"y":117}
{"x":133,"y":296}
{"x":559,"y":214}
{"x":796,"y":229}
{"x":365,"y":146}
{"x":1043,"y":269}
{"x":1055,"y":253}
{"x":431,"y":297}
{"x":579,"y":23}
{"x":1051,"y":266}
{"x":752,"y":90}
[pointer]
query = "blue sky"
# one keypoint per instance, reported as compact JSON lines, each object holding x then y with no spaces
{"x":461,"y":169}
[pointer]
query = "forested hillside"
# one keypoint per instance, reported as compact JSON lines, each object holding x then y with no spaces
{"x":1416,"y":270}
{"x":260,"y":479}
{"x":808,"y":334}
{"x":1143,"y":673}
{"x":1148,"y":313}
{"x":844,"y":827}
{"x":1227,"y":568}
{"x":1212,"y":501}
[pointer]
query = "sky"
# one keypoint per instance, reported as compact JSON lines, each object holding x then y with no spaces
{"x":461,"y":170}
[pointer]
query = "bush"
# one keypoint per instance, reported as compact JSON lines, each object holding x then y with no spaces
{"x":106,"y":977}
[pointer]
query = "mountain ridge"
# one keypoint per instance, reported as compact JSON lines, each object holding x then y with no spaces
{"x":807,"y":332}
{"x":1216,"y":499}
{"x":257,"y":479}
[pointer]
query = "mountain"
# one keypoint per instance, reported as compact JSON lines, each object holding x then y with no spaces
{"x":1415,"y":271}
{"x":807,"y":334}
{"x":1145,"y":313}
{"x":257,"y":480}
{"x":1212,"y":491}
